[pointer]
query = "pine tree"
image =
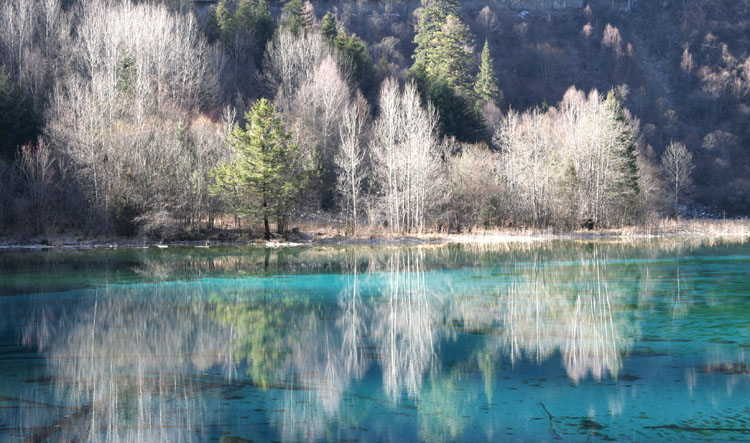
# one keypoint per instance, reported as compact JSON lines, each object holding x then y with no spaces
{"x":308,"y":15}
{"x":443,"y":65}
{"x":432,"y":15}
{"x":328,"y":28}
{"x":361,"y":61}
{"x":293,"y":16}
{"x":225,"y":20}
{"x":264,"y":174}
{"x":126,"y":75}
{"x":627,"y":150}
{"x":254,"y":17}
{"x":352,"y":48}
{"x":485,"y":88}
{"x":249,"y":16}
{"x":451,"y":59}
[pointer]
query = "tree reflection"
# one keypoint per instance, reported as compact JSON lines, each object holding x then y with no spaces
{"x":544,"y":308}
{"x":127,"y":365}
{"x":405,"y":321}
{"x":410,"y":327}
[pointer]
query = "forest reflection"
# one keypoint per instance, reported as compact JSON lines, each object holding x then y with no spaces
{"x":153,"y":361}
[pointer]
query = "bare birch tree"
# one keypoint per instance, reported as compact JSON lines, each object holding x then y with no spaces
{"x":611,"y":39}
{"x":405,"y":155}
{"x":677,"y":164}
{"x":574,"y":163}
{"x":351,"y":158}
{"x":527,"y":153}
{"x":140,"y":70}
{"x":289,"y":61}
{"x":34,"y":39}
{"x":316,"y":113}
{"x":37,"y":172}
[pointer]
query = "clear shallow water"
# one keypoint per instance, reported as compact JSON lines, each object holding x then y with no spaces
{"x":560,"y":341}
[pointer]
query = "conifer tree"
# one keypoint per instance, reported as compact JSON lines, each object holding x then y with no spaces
{"x":626,"y":150}
{"x":451,"y":59}
{"x":443,"y":65}
{"x":253,"y":16}
{"x":352,"y":48}
{"x":485,"y":88}
{"x":356,"y":52}
{"x":248,"y":16}
{"x":264,"y":173}
{"x":432,"y":15}
{"x":328,"y":28}
{"x":223,"y":14}
{"x":293,"y":16}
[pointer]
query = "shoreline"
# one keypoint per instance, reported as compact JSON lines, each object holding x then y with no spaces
{"x":687,"y":230}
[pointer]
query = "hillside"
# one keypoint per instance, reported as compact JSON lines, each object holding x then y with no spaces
{"x":441,"y":115}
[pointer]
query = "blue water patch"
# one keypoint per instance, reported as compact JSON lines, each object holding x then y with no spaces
{"x":558,"y":341}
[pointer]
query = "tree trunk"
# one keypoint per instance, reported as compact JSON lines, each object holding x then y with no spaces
{"x":267,"y":234}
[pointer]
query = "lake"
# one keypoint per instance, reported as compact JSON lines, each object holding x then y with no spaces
{"x":552,"y":341}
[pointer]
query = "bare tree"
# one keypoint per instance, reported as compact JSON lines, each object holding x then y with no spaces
{"x":351,"y":158}
{"x":586,"y":31}
{"x":687,"y":61}
{"x":475,"y":194}
{"x":116,"y":118}
{"x":528,"y":145}
{"x":489,"y":21}
{"x":677,"y":164}
{"x":317,"y":111}
{"x":611,"y":39}
{"x":405,"y":154}
{"x":575,"y":162}
{"x":34,"y":41}
{"x":289,"y":61}
{"x":37,"y":172}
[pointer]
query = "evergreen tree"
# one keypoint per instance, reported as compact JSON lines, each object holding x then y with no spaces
{"x":295,"y":16}
{"x":451,"y":57}
{"x":431,"y":17}
{"x":126,"y":75}
{"x":443,"y":65}
{"x":247,"y":17}
{"x":356,"y":52}
{"x":225,"y":20}
{"x":328,"y":28}
{"x":627,"y":151}
{"x":485,"y":88}
{"x":352,"y":48}
{"x":254,"y":17}
{"x":264,"y":174}
{"x":457,"y":115}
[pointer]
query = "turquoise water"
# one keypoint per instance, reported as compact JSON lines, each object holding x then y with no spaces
{"x":551,"y":342}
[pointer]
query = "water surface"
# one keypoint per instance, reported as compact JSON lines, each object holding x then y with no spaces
{"x":584,"y":341}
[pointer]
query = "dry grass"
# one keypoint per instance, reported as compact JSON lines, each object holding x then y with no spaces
{"x":331,"y":231}
{"x":667,"y":228}
{"x":691,"y":228}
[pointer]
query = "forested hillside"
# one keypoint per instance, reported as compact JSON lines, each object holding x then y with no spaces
{"x":174,"y":118}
